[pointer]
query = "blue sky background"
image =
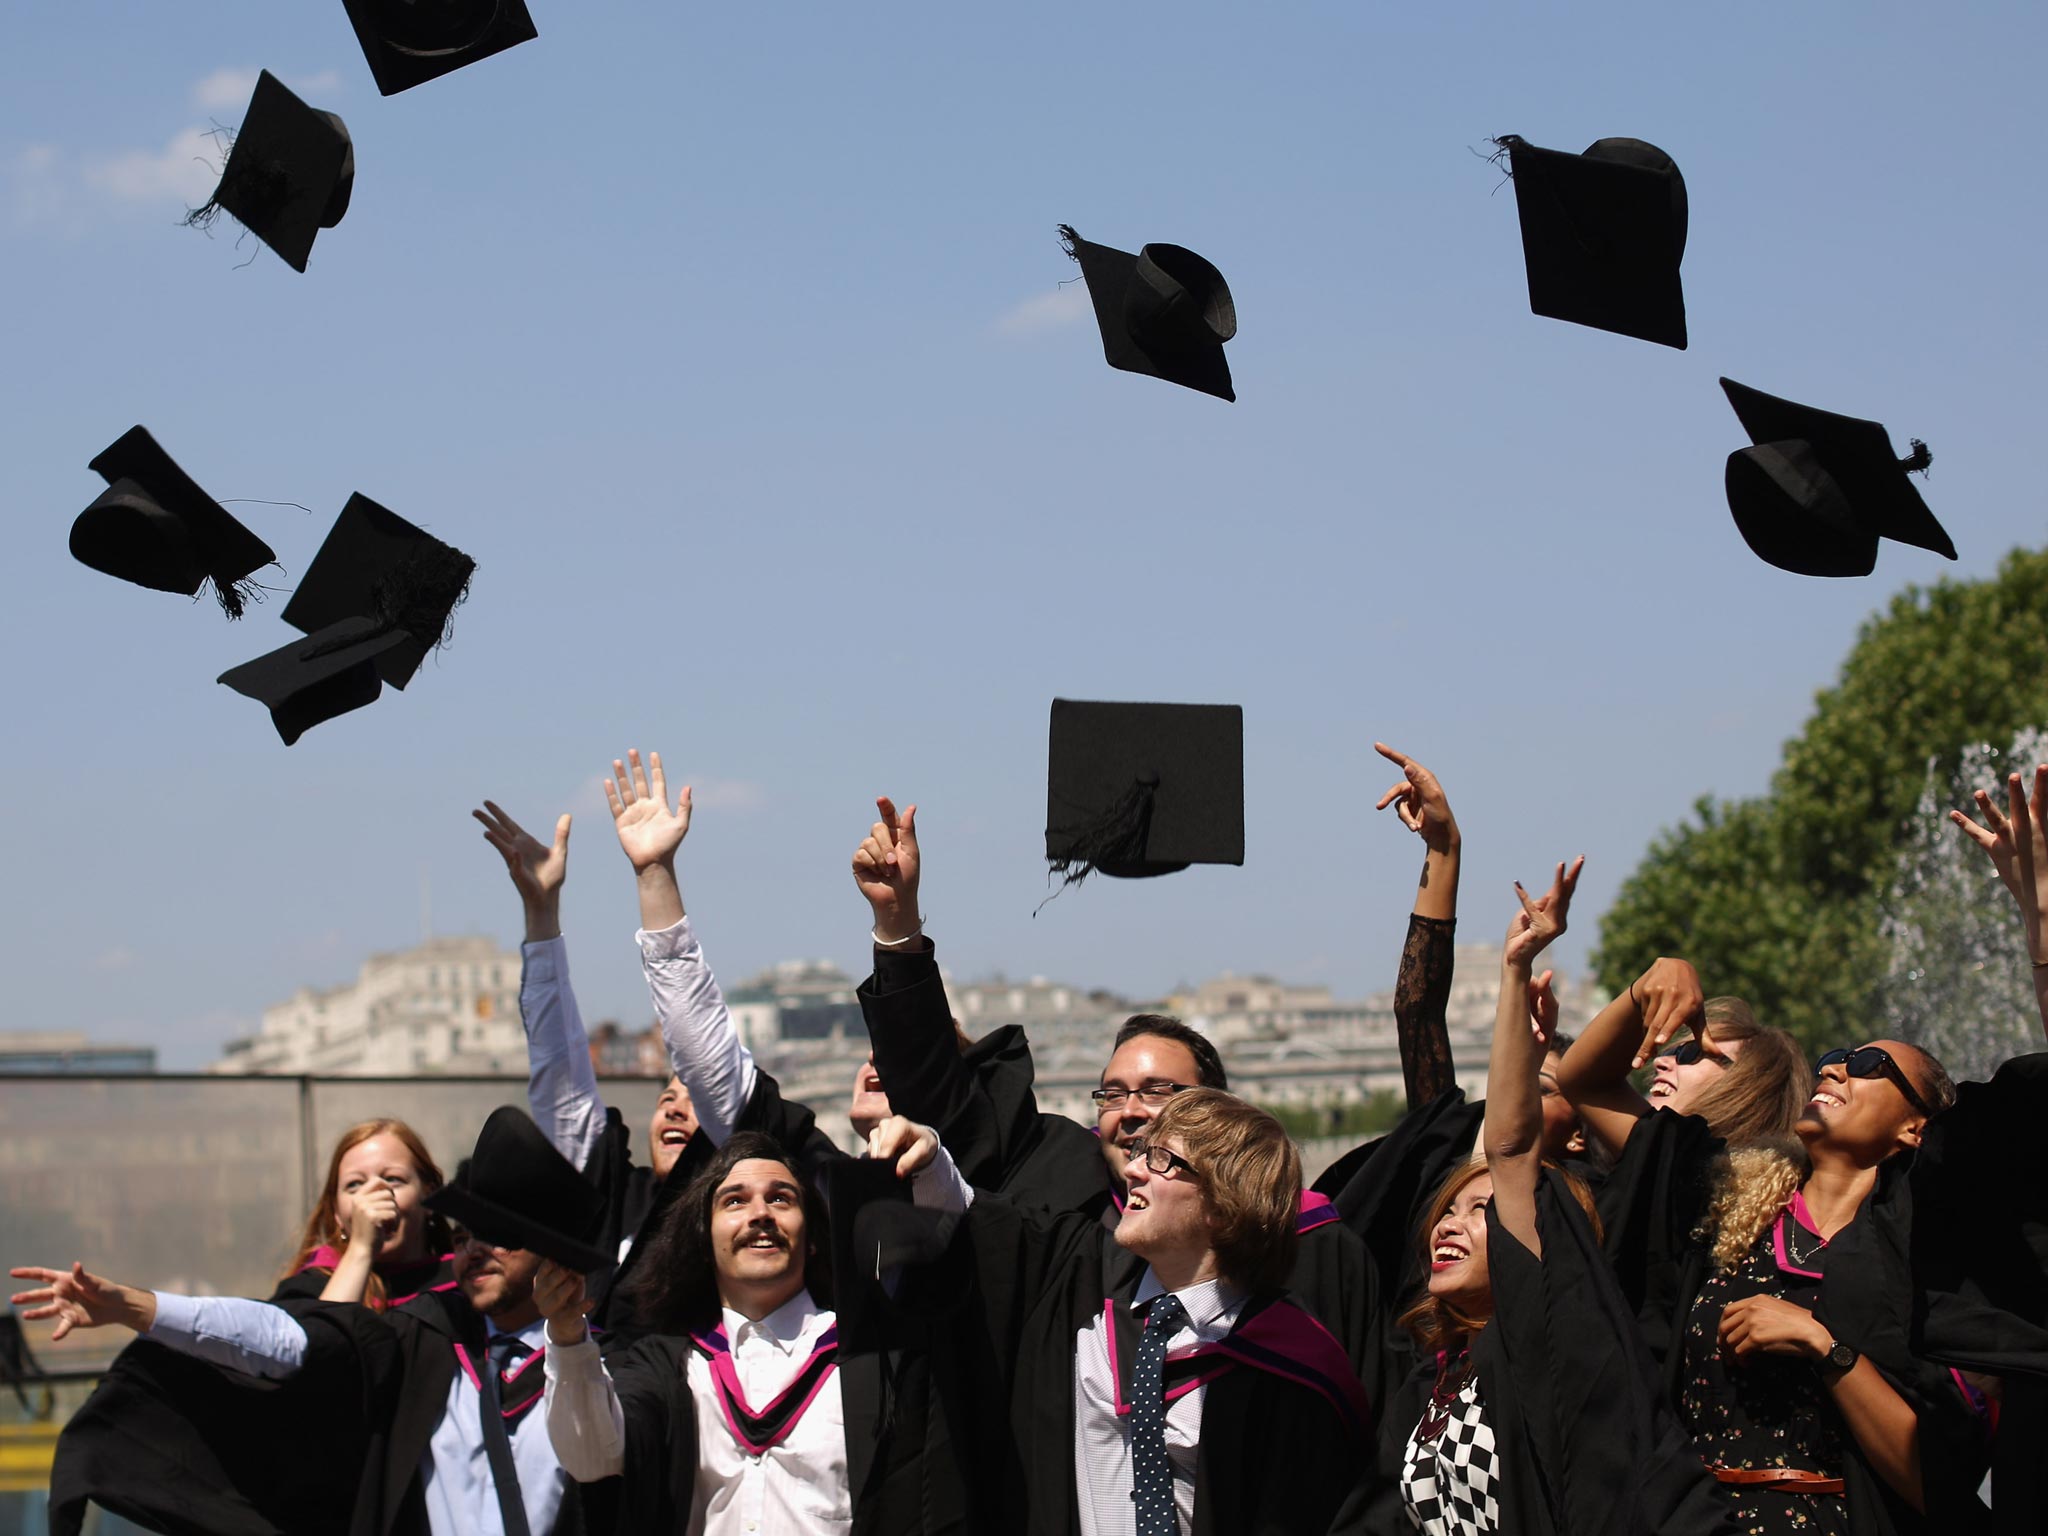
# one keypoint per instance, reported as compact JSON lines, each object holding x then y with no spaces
{"x":731,"y":342}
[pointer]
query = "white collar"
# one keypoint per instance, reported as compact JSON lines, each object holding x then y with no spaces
{"x":1210,"y":1302}
{"x":785,"y":1327}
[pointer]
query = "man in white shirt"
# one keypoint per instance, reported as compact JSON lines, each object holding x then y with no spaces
{"x":462,"y":1451}
{"x":741,"y":1415}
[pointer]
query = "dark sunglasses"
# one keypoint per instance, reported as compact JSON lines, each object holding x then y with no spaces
{"x":1690,"y":1051}
{"x":1876,"y":1061}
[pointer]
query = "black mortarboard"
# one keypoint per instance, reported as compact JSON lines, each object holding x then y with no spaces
{"x":1164,"y":311}
{"x":155,"y":527}
{"x":519,"y":1192}
{"x":318,"y":676}
{"x":1143,"y":789}
{"x":376,"y":565}
{"x":289,"y":174}
{"x":1817,"y":491}
{"x":409,"y":42}
{"x":1602,"y":235}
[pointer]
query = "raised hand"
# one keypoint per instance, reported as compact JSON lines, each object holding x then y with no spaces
{"x":1542,"y":920}
{"x":913,"y":1146}
{"x":1543,"y":1009}
{"x":80,"y":1300}
{"x":2016,"y":842}
{"x":1669,"y":997}
{"x":560,"y":1295}
{"x":649,"y":831}
{"x":1419,"y":801}
{"x":886,"y":867}
{"x":537,"y":869}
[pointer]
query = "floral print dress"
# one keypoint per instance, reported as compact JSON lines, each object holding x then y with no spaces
{"x":1772,"y":1411}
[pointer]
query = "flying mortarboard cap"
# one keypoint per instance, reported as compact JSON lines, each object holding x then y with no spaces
{"x":376,"y":565}
{"x":1817,"y":491}
{"x":519,"y":1192}
{"x":155,"y":527}
{"x":289,"y":174}
{"x":409,"y":42}
{"x":317,"y":676}
{"x":1164,"y":311}
{"x":1143,"y":789}
{"x":1602,"y":235}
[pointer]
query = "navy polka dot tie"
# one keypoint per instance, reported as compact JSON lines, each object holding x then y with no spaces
{"x":1152,"y":1473}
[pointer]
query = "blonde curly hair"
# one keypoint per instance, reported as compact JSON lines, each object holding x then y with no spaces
{"x":1751,"y":1184}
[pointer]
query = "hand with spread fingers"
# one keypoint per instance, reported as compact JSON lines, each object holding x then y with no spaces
{"x":560,"y":1295}
{"x":649,"y":832}
{"x":886,"y":867}
{"x":538,"y":869}
{"x":1771,"y":1325}
{"x":1669,"y":998}
{"x":1542,"y":919}
{"x":912,"y":1146}
{"x":77,"y":1299}
{"x":1419,"y":800}
{"x":2016,"y":842}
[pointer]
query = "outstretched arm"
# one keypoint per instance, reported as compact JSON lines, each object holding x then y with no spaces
{"x":1514,"y":1106}
{"x":704,"y":1048}
{"x":1623,"y":1036}
{"x":561,"y":1084}
{"x":249,"y":1336}
{"x":1422,"y":990}
{"x":2016,"y":842}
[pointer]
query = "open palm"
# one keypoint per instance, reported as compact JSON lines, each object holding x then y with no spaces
{"x":537,"y":869}
{"x":649,"y":831}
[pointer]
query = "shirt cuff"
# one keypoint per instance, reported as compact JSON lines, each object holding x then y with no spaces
{"x":573,"y":1362}
{"x":545,"y":960}
{"x":938,"y":1186}
{"x":669,"y":943}
{"x":175,"y":1314}
{"x":898,"y":970}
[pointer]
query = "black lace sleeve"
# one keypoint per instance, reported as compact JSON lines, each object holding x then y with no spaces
{"x":1422,"y":993}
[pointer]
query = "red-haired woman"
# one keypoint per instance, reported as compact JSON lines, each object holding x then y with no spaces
{"x":371,"y":1237}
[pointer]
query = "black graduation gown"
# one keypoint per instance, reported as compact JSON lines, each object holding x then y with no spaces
{"x":979,"y":1100}
{"x":634,"y":1203}
{"x":1275,"y":1458}
{"x":982,"y":1104}
{"x":178,"y":1445}
{"x":1588,"y":1444}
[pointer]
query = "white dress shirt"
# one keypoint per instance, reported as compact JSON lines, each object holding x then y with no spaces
{"x":1102,"y":1441}
{"x":704,"y":1048}
{"x":462,"y":1500}
{"x":796,"y":1488}
{"x":561,"y":1084}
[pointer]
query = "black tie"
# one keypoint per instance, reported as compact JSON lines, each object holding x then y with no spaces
{"x":504,"y":1349}
{"x":1151,"y":1472}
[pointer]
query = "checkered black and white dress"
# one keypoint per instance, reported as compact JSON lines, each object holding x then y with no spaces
{"x":1450,"y":1483}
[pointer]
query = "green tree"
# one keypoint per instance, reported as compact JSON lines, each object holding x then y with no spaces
{"x":1780,"y":898}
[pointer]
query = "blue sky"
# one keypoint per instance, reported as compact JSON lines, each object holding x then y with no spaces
{"x":731,"y":342}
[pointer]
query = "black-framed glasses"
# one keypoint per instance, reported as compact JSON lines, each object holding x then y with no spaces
{"x":1876,"y":1061}
{"x":1686,"y":1052}
{"x":1154,"y":1093}
{"x":1160,"y":1159}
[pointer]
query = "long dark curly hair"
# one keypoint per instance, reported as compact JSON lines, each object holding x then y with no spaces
{"x":675,"y":1282}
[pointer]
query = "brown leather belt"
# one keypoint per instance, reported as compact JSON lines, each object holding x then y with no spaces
{"x":1777,"y":1479}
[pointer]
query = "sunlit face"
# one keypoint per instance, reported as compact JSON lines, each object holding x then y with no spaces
{"x":1164,"y":1213}
{"x":869,"y":1106}
{"x":674,"y":1123}
{"x":1867,"y":1117}
{"x":496,"y":1280}
{"x":758,"y":1239}
{"x":1563,"y":1136}
{"x":1457,"y":1251}
{"x":1141,"y":1060}
{"x":1676,"y":1085}
{"x":379,"y":1165}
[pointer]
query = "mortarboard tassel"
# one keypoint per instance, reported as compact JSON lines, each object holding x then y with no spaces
{"x":1117,"y":836}
{"x":1918,"y":461}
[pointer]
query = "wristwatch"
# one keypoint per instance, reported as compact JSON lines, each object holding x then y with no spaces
{"x":1840,"y":1358}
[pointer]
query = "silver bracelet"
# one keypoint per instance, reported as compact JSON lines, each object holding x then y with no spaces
{"x":911,"y":937}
